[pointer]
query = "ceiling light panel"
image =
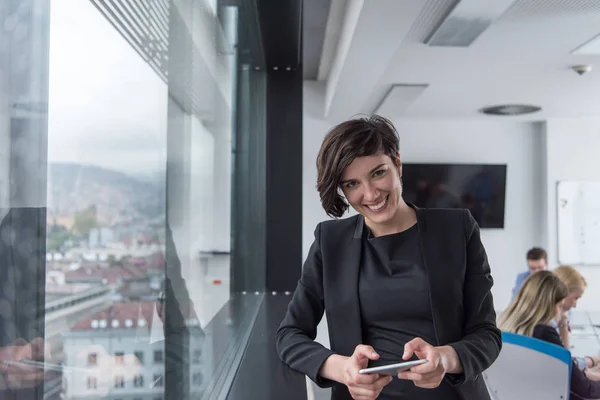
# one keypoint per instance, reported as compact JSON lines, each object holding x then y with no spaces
{"x":467,"y":21}
{"x":398,"y":99}
{"x":591,"y":47}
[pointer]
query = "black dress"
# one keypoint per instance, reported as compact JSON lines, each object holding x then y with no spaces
{"x":581,"y":386}
{"x":396,"y":308}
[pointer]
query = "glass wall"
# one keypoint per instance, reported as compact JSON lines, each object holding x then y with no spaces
{"x":126,"y":130}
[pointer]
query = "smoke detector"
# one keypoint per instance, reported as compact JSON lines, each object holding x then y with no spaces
{"x":582,"y":69}
{"x":510,"y":109}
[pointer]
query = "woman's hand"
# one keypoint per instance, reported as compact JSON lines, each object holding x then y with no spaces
{"x":363,"y":386}
{"x":563,"y":318}
{"x":442,"y":360}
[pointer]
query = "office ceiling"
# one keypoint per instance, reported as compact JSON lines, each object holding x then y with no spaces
{"x":525,"y":56}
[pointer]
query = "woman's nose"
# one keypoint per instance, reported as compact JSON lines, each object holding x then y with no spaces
{"x":371,"y":193}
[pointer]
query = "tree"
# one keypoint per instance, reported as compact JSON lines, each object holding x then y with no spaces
{"x":85,"y":221}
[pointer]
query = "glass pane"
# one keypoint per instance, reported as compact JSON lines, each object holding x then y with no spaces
{"x":118,"y":123}
{"x":107,"y":131}
{"x":23,"y":153}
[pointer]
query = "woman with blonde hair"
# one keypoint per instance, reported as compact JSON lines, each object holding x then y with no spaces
{"x":576,"y":285}
{"x":537,"y":303}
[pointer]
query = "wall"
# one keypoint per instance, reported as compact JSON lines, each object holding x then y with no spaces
{"x":572,"y":147}
{"x":519,"y":145}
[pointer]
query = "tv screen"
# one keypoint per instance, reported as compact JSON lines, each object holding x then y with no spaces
{"x":481,"y":188}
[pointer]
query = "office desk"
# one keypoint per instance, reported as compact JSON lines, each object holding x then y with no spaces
{"x":585,"y":333}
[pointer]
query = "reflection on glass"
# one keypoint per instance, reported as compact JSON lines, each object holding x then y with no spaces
{"x":126,"y":198}
{"x":106,"y":206}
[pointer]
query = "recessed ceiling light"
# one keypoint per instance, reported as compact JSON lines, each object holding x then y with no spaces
{"x":510,"y":109}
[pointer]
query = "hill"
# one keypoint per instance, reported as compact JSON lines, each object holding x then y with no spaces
{"x":115,"y":196}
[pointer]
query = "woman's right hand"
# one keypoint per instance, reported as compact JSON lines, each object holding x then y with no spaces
{"x":363,"y":386}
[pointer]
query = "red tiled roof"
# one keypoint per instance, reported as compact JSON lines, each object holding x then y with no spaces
{"x":137,"y":261}
{"x":134,"y":312}
{"x":111,"y":274}
{"x":84,"y":272}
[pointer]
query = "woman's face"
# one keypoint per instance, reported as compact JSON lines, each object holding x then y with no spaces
{"x":571,"y":299}
{"x":372,"y":187}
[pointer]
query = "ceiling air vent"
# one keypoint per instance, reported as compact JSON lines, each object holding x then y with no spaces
{"x":510,"y":109}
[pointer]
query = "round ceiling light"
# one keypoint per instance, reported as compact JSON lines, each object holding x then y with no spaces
{"x":510,"y":109}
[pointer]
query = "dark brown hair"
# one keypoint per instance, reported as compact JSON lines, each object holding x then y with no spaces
{"x":537,"y":253}
{"x":354,"y":138}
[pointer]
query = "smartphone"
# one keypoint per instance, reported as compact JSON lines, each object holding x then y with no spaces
{"x":392,"y":369}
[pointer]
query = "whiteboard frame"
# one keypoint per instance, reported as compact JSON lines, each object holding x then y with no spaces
{"x":560,"y":228}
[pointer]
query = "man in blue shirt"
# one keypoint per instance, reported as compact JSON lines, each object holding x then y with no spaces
{"x":537,"y":260}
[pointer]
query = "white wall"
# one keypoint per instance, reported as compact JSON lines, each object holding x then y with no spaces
{"x":314,"y":129}
{"x":572,"y":149}
{"x":519,"y":145}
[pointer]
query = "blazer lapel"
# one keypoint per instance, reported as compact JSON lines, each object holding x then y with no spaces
{"x":345,"y":310}
{"x":443,"y":305}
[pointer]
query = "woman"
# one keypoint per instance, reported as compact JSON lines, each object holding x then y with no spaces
{"x":576,"y":284}
{"x":537,"y":303}
{"x":396,"y":282}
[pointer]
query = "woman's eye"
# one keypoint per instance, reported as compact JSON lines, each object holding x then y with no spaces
{"x":350,"y":185}
{"x":378,"y":173}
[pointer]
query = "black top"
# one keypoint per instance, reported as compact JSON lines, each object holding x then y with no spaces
{"x":581,"y":386}
{"x":395,"y":306}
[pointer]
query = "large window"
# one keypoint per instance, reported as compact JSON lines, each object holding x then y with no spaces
{"x":120,"y":132}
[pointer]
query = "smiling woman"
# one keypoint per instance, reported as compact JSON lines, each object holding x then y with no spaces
{"x":371,"y":173}
{"x":394,"y":281}
{"x":376,"y":192}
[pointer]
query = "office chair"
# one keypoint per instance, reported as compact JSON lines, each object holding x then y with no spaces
{"x":529,"y":368}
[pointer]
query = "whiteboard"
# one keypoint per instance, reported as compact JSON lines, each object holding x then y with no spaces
{"x":578,"y":225}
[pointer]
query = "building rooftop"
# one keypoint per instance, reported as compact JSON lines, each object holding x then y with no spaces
{"x":136,"y":267}
{"x":119,"y":316}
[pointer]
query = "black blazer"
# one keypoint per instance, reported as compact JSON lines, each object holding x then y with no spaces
{"x":459,"y":281}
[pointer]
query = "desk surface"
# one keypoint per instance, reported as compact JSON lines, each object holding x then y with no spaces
{"x":585,"y":333}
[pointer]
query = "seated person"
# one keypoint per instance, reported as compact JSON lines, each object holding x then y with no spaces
{"x":576,"y":285}
{"x":531,"y":312}
{"x":537,"y":260}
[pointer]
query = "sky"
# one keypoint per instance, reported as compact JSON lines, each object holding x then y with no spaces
{"x":107,"y":107}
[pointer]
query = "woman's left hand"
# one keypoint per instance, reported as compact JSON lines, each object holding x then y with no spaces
{"x":429,"y":375}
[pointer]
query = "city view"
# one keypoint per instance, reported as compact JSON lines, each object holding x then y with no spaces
{"x":105,"y":269}
{"x":106,"y":233}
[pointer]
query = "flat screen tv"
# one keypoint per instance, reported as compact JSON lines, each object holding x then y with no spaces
{"x":481,"y":188}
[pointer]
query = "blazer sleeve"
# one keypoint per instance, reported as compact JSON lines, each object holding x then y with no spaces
{"x":295,"y":337}
{"x":482,"y":340}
